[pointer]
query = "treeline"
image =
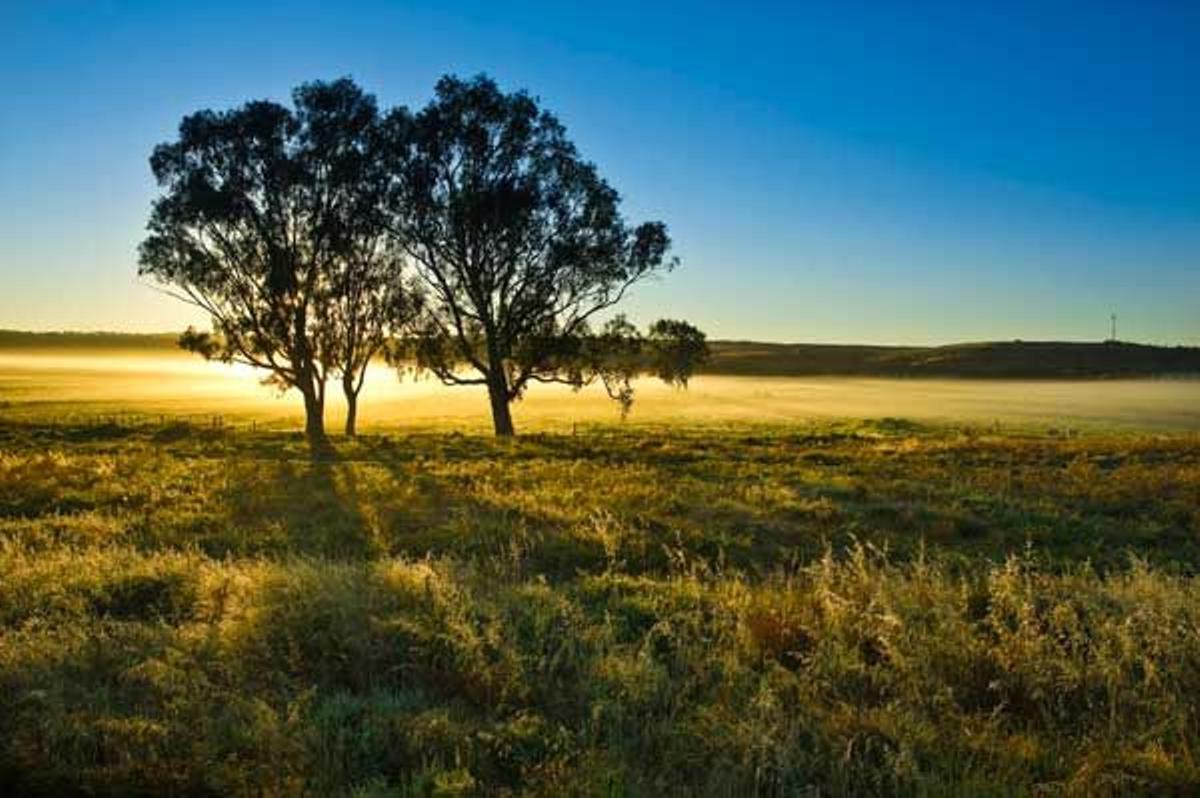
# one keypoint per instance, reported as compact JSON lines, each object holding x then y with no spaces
{"x":468,"y":239}
{"x":21,"y":339}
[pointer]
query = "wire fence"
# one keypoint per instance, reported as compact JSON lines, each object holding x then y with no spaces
{"x":199,"y":422}
{"x":132,"y":420}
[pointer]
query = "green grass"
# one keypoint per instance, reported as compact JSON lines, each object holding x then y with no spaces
{"x":842,"y":608}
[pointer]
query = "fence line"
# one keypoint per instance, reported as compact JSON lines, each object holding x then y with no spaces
{"x":219,"y":422}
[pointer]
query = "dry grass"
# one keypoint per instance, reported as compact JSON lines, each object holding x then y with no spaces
{"x":842,"y":608}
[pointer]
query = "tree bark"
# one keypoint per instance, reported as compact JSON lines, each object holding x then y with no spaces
{"x":501,"y":410}
{"x":351,"y":407}
{"x":314,"y":415}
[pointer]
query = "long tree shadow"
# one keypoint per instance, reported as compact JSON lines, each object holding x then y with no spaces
{"x":437,"y":506}
{"x":730,"y":518}
{"x":301,"y":506}
{"x":365,"y":500}
{"x":471,"y":497}
{"x":749,"y":500}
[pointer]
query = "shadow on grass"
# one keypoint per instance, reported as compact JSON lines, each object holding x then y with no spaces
{"x":560,"y":504}
{"x":305,"y":506}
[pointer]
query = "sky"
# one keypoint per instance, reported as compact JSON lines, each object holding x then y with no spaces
{"x":830,"y":172}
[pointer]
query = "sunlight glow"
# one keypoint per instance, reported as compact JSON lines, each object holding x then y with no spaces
{"x":173,"y":383}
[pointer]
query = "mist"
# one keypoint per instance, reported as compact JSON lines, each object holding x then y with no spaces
{"x":180,"y":384}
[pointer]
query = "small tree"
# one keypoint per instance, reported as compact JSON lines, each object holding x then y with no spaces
{"x":677,"y":349}
{"x":519,"y":245}
{"x":260,"y":224}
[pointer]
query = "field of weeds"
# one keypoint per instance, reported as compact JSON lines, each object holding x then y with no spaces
{"x":839,"y":608}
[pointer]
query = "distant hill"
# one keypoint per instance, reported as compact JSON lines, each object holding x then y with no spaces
{"x":1015,"y":359}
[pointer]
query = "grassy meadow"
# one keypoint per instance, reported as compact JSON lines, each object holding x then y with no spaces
{"x":830,"y":587}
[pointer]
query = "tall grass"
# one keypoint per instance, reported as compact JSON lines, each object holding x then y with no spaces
{"x":857,"y":610}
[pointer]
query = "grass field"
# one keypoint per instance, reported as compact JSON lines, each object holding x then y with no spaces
{"x":712,"y":599}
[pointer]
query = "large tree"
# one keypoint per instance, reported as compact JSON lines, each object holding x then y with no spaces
{"x":365,"y":297}
{"x":265,"y":221}
{"x":520,"y":246}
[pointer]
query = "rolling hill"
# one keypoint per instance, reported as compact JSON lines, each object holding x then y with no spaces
{"x":1016,"y":359}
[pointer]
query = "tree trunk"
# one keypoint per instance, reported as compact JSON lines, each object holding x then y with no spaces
{"x":351,"y":408}
{"x":501,"y":410}
{"x":314,"y":415}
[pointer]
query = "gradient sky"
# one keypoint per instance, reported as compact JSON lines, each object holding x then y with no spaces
{"x":854,"y":172}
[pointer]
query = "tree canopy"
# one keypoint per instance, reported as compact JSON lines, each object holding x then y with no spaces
{"x":271,"y":221}
{"x":520,"y":246}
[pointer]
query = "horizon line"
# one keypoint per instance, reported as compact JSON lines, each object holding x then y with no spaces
{"x":956,"y":343}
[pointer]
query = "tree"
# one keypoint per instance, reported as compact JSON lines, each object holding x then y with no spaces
{"x":365,"y":296}
{"x":263,"y":222}
{"x":519,"y":245}
{"x":676,"y":349}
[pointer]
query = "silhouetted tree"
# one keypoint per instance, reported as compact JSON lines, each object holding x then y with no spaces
{"x":676,"y":350}
{"x":519,"y":245}
{"x":268,"y":221}
{"x":365,"y":297}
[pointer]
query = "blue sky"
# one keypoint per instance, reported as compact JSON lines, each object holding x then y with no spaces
{"x":854,"y":172}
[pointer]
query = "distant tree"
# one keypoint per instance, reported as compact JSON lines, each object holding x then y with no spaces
{"x":520,"y":247}
{"x":268,"y":221}
{"x":676,"y":350}
{"x":619,"y":352}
